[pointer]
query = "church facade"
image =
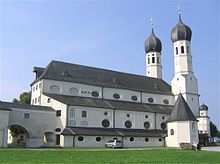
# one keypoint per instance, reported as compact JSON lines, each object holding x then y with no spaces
{"x":92,"y":106}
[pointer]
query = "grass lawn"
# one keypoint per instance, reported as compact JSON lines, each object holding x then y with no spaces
{"x":83,"y":155}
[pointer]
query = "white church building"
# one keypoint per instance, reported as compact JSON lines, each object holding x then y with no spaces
{"x":80,"y":106}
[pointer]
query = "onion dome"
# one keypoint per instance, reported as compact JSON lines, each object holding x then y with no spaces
{"x":152,"y":43}
{"x":181,"y":31}
{"x":203,"y":107}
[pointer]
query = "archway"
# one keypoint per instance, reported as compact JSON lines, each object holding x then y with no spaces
{"x":18,"y":136}
{"x":49,"y":139}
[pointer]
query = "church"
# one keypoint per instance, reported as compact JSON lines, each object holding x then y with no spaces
{"x":80,"y":106}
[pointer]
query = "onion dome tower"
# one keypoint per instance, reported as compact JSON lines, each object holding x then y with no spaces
{"x":184,"y":80}
{"x":204,"y":120}
{"x":153,"y":48}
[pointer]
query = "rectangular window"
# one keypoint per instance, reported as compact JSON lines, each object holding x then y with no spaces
{"x":33,"y":89}
{"x":32,"y":101}
{"x":72,"y":113}
{"x":36,"y":87}
{"x":176,"y":50}
{"x":39,"y":99}
{"x":35,"y":100}
{"x":58,"y":113}
{"x":84,"y":113}
{"x":27,"y":115}
{"x":57,"y":139}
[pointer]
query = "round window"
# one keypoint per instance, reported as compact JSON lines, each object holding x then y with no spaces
{"x":57,"y":129}
{"x":95,"y":94}
{"x":150,"y":100}
{"x":128,"y":124}
{"x":131,"y":139}
{"x":116,"y":96}
{"x":105,"y":123}
{"x":146,"y":139}
{"x":98,"y":139}
{"x":80,"y":138}
{"x":146,"y":116}
{"x":160,"y":139}
{"x":146,"y":125}
{"x":134,"y":98}
{"x":165,"y":101}
{"x":163,"y":125}
{"x":128,"y":115}
{"x":105,"y":113}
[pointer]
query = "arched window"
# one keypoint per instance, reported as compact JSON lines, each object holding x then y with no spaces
{"x":54,"y":89}
{"x":153,"y":59}
{"x":158,"y":60}
{"x":171,"y":132}
{"x":182,"y":49}
{"x":176,"y":50}
{"x":148,"y":60}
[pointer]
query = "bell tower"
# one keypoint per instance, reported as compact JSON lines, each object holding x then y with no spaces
{"x":184,"y":80}
{"x":153,"y":49}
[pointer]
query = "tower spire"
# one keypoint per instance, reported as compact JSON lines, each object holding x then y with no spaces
{"x":152,"y":25}
{"x":179,"y":12}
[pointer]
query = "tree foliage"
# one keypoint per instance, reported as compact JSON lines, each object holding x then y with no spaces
{"x":213,"y":129}
{"x":16,"y":130}
{"x":25,"y":98}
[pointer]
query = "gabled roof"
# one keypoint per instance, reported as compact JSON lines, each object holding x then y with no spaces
{"x":9,"y":105}
{"x":110,"y":104}
{"x":62,"y":71}
{"x":181,"y":111}
{"x":113,"y":132}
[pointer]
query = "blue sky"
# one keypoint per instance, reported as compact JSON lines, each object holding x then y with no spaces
{"x":106,"y":34}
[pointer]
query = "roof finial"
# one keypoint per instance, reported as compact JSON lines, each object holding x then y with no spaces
{"x":179,"y":12}
{"x":152,"y":25}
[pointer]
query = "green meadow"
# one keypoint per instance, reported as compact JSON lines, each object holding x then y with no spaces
{"x":84,"y":155}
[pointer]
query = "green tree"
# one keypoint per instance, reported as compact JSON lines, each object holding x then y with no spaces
{"x":25,"y":98}
{"x":213,"y":129}
{"x":15,"y":130}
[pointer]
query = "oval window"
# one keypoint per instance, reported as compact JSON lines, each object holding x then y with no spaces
{"x":105,"y":123}
{"x":128,"y":124}
{"x":160,"y":139}
{"x":165,"y":101}
{"x":116,"y":96}
{"x":146,"y":125}
{"x":57,"y":129}
{"x":95,"y":94}
{"x":98,"y":139}
{"x":146,"y":139}
{"x":134,"y":98}
{"x":105,"y":113}
{"x":163,"y":125}
{"x":131,"y":139}
{"x":80,"y":138}
{"x":150,"y":100}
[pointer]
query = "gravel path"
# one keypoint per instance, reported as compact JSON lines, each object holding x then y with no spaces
{"x":213,"y":148}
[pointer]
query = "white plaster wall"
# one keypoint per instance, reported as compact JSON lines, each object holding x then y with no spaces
{"x":204,"y":125}
{"x":36,"y":125}
{"x":36,"y":90}
{"x":94,"y":118}
{"x":90,"y":141}
{"x":154,"y":69}
{"x":140,"y":142}
{"x":137,"y":119}
{"x":66,"y":141}
{"x":182,"y":61}
{"x":183,"y":132}
{"x":81,"y":89}
{"x":125,"y":95}
{"x":161,"y":118}
{"x":4,"y":118}
{"x":158,"y":98}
